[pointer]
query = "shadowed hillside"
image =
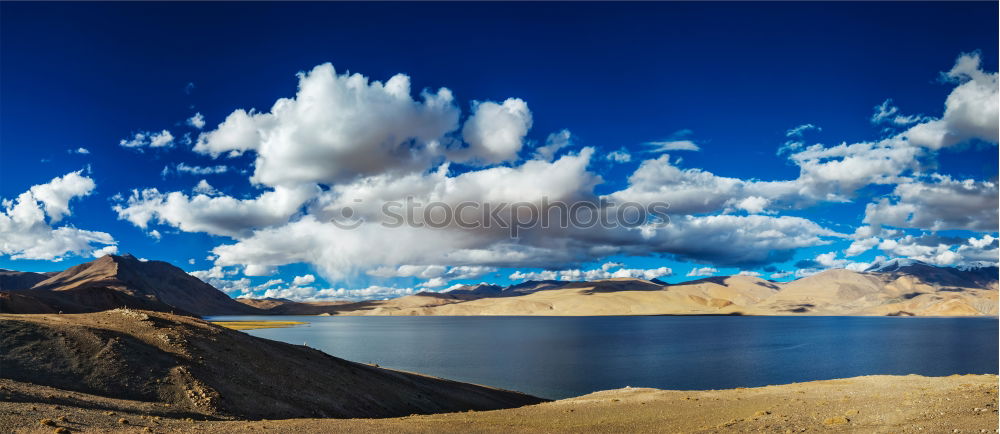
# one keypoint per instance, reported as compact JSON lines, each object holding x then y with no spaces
{"x":200,"y":368}
{"x":18,"y":280}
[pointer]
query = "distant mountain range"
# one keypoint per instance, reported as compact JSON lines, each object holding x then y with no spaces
{"x":896,"y":287}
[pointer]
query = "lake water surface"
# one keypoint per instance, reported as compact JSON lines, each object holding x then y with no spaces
{"x":559,"y":357}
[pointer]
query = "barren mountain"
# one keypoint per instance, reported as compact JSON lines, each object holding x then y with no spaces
{"x":602,"y":297}
{"x":418,"y":302}
{"x":486,"y":290}
{"x":19,"y":280}
{"x":979,"y":277}
{"x":185,"y":366}
{"x":910,"y":289}
{"x":284,"y":306}
{"x":477,"y":291}
{"x":122,"y":281}
{"x":897,"y":287}
{"x":918,"y":289}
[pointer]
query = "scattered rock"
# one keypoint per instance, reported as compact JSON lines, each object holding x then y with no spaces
{"x":838,"y":420}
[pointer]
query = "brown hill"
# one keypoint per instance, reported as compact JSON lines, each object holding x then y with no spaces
{"x":122,"y":281}
{"x":529,"y":286}
{"x":477,"y":291}
{"x":602,"y":297}
{"x":195,"y":367}
{"x":925,"y":290}
{"x":282,"y":306}
{"x":911,"y":290}
{"x":19,"y":280}
{"x":415,"y":301}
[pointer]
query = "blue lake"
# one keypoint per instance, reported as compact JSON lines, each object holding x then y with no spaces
{"x":559,"y":357}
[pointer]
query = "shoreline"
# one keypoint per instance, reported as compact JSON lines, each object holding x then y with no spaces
{"x":255,"y":325}
{"x":879,"y":403}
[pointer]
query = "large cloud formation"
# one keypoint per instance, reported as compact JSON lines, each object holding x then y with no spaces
{"x":971,"y":110}
{"x":347,"y":144}
{"x":26,"y":233}
{"x":943,"y":204}
{"x":337,"y":128}
{"x":205,"y":211}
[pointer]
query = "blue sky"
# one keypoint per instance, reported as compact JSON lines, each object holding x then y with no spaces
{"x":731,"y":78}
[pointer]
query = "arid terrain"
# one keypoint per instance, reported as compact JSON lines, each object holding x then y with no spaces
{"x":896,"y":288}
{"x":882,"y":404}
{"x":912,"y":290}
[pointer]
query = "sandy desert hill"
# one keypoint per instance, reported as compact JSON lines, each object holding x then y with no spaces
{"x":601,"y":297}
{"x":911,"y":290}
{"x":916,"y":290}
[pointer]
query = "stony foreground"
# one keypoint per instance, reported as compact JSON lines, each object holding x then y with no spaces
{"x":966,"y":403}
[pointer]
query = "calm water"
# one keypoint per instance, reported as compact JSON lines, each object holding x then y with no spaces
{"x":558,"y":357}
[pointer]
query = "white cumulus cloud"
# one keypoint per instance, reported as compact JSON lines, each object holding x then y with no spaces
{"x":197,"y":121}
{"x":944,"y":203}
{"x":971,"y":109}
{"x":214,"y":214}
{"x":26,"y":233}
{"x":702,"y":272}
{"x":162,"y":139}
{"x":495,"y":132}
{"x":337,"y":128}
